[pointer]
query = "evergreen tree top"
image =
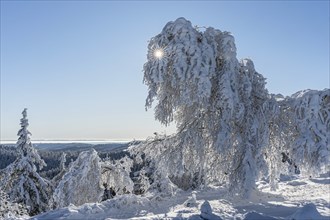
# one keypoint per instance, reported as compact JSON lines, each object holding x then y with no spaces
{"x":24,"y":124}
{"x":24,"y":134}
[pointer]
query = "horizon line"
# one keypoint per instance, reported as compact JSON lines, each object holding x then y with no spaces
{"x":73,"y":141}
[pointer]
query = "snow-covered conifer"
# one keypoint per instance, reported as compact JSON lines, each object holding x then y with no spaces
{"x":21,"y":179}
{"x":56,"y":179}
{"x":62,"y":162}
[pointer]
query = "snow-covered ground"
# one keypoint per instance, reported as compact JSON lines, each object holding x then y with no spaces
{"x":296,"y":198}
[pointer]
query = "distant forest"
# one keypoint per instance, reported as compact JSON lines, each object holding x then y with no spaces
{"x":51,"y":154}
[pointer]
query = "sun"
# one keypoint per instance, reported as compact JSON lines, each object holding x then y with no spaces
{"x":159,"y":53}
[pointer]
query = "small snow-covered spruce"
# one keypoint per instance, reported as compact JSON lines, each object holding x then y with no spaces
{"x":21,"y":179}
{"x":62,"y":162}
{"x":56,"y":179}
{"x":81,"y":183}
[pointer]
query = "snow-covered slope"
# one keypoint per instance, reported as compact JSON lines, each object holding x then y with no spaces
{"x":301,"y":198}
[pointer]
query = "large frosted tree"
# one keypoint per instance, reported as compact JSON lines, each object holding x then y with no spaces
{"x":230,"y":129}
{"x":220,"y":104}
{"x":21,"y":179}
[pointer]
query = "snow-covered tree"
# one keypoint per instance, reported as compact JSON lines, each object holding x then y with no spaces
{"x":82,"y":182}
{"x":21,"y":179}
{"x":116,"y":175}
{"x":299,"y":134}
{"x":143,"y":182}
{"x":309,"y":113}
{"x":62,"y":162}
{"x":218,"y":103}
{"x":62,"y":168}
{"x":230,"y":129}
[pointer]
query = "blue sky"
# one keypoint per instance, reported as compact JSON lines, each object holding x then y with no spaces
{"x":77,"y":65}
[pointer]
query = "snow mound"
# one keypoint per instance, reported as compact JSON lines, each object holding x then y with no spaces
{"x":124,"y":201}
{"x":206,"y":212}
{"x":307,"y":212}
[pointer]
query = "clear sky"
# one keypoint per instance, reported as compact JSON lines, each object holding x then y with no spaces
{"x":77,"y":65}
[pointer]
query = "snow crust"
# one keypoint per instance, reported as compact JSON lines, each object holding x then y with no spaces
{"x":308,"y":211}
{"x":256,"y":216}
